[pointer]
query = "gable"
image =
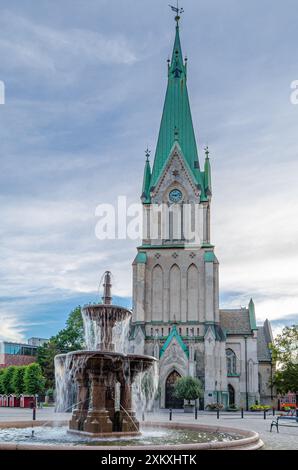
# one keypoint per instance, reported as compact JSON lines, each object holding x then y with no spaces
{"x":176,"y":173}
{"x":174,"y":342}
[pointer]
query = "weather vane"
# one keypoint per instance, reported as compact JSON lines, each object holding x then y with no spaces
{"x":177,"y":10}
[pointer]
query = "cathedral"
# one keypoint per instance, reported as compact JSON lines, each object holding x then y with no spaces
{"x":176,"y":314}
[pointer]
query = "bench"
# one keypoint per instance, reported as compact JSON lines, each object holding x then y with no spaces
{"x":276,"y":422}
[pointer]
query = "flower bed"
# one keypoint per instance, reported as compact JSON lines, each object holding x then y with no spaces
{"x":259,"y":408}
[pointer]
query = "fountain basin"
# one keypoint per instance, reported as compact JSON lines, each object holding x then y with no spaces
{"x":163,"y":436}
{"x":97,"y":375}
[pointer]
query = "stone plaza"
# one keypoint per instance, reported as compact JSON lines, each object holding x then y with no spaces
{"x":287,"y":439}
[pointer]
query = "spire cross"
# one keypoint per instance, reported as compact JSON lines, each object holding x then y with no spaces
{"x":147,"y":153}
{"x":178,"y":11}
{"x":207,"y":153}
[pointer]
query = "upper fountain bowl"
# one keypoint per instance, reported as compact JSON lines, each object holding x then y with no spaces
{"x":105,"y":317}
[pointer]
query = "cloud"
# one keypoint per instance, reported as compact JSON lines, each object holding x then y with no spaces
{"x":51,"y":52}
{"x":84,"y":96}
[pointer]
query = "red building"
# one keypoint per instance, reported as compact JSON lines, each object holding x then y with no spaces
{"x":19,"y":354}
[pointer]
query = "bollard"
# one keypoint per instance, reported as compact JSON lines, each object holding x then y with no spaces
{"x":217,"y":414}
{"x":34,"y":414}
{"x":196,"y":413}
{"x":242,"y":413}
{"x":273,"y":411}
{"x":265,"y":416}
{"x":296,"y":415}
{"x":170,"y":410}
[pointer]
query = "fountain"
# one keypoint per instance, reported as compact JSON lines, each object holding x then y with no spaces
{"x":100,"y":381}
{"x":103,"y":375}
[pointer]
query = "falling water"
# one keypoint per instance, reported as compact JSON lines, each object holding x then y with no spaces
{"x":121,"y":334}
{"x":91,"y":332}
{"x":145,"y":389}
{"x":64,"y":383}
{"x":66,"y":368}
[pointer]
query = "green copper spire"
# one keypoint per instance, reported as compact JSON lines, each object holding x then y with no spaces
{"x":207,"y":173}
{"x":252,"y":315}
{"x":147,"y":179}
{"x":176,"y":123}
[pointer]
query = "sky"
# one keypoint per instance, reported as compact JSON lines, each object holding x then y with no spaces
{"x":85,"y":82}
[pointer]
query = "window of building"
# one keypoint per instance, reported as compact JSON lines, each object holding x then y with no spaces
{"x":198,"y":331}
{"x":19,"y":349}
{"x":231,"y":362}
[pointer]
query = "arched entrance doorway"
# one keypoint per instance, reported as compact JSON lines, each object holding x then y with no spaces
{"x":171,"y":400}
{"x":231,"y":395}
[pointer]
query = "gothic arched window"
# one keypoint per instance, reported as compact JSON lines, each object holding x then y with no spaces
{"x":231,"y":362}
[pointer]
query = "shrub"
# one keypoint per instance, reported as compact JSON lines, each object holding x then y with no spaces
{"x":33,"y":379}
{"x":259,"y":408}
{"x":50,"y":393}
{"x":214,"y":406}
{"x":188,"y":388}
{"x":7,"y":380}
{"x":18,"y":379}
{"x":288,"y":406}
{"x":1,"y":384}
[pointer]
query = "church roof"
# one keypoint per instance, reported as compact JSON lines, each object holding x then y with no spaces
{"x":262,"y":345}
{"x":236,"y":321}
{"x":176,"y":124}
{"x":264,"y":340}
{"x":239,"y":321}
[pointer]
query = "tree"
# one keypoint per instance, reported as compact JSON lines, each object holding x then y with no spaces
{"x":188,"y":388}
{"x":18,"y":380}
{"x":7,"y":380}
{"x":71,"y":338}
{"x":285,"y":356}
{"x":1,"y":384}
{"x":34,"y":380}
{"x":45,"y":358}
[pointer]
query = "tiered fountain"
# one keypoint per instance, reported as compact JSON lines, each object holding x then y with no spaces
{"x":102,"y":378}
{"x":100,"y":373}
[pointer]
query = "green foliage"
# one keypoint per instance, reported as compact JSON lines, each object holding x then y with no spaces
{"x":7,"y":380}
{"x":18,"y":379}
{"x":45,"y":358}
{"x":188,"y":388}
{"x":71,"y":338}
{"x":286,"y":379}
{"x":1,"y":385}
{"x":285,"y":346}
{"x":34,"y":380}
{"x":50,"y":393}
{"x":285,"y":355}
{"x":259,"y":408}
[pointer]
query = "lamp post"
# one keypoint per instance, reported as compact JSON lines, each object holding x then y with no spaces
{"x":271,"y":376}
{"x":246,"y":374}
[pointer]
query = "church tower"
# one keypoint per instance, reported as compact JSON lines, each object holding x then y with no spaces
{"x":175,"y":272}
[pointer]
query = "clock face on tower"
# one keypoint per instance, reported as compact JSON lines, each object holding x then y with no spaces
{"x":175,"y":195}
